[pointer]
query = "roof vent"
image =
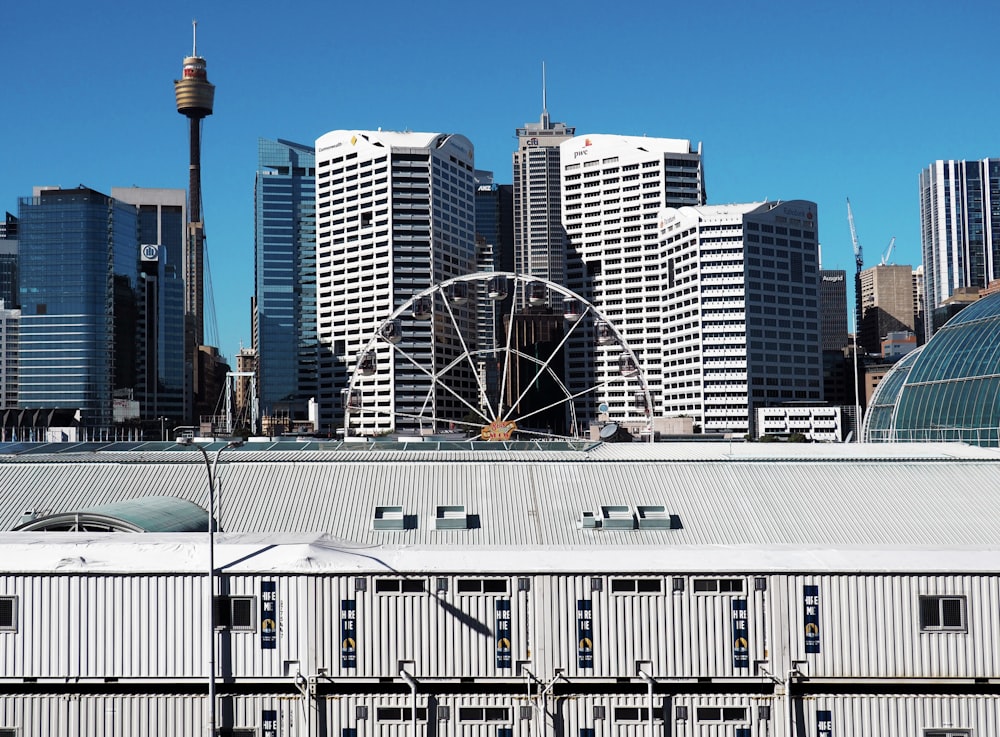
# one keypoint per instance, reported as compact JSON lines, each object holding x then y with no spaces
{"x":389,"y":518}
{"x":588,"y":521}
{"x":451,"y":517}
{"x":653,"y":517}
{"x":617,"y":517}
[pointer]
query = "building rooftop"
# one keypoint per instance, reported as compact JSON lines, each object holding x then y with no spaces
{"x":586,"y":497}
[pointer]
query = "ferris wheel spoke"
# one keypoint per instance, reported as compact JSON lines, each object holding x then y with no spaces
{"x":466,"y":355}
{"x":566,"y":398}
{"x":545,"y":367}
{"x":507,"y":350}
{"x":436,"y":381}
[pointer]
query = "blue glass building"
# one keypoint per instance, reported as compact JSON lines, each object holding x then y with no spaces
{"x":285,"y":276}
{"x":947,"y":390}
{"x":78,"y":270}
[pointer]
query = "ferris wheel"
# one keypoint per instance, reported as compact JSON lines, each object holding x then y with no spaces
{"x":491,"y":355}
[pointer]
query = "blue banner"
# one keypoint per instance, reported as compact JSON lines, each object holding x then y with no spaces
{"x":741,"y":635}
{"x":503,"y":633}
{"x":584,"y":634}
{"x":810,"y":612}
{"x":269,"y":723}
{"x":268,"y":615}
{"x":824,"y":724}
{"x":348,"y":634}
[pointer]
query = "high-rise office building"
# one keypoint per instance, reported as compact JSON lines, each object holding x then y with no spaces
{"x":8,"y":261}
{"x":395,"y":215}
{"x":614,"y":189}
{"x":886,"y":305}
{"x":740,"y":311}
{"x":833,"y":308}
{"x":918,"y":303}
{"x":284,"y":320}
{"x":539,"y":237}
{"x":494,"y":252}
{"x":78,"y":275}
{"x":163,"y":386}
{"x":959,"y":230}
{"x":838,"y":363}
{"x":10,"y":324}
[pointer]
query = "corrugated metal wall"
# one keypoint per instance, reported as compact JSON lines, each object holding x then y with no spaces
{"x":487,"y":715}
{"x":900,"y":715}
{"x":76,"y":626}
{"x":584,"y":627}
{"x":869,"y":627}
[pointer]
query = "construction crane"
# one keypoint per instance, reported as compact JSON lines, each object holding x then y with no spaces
{"x":858,"y":259}
{"x":888,"y":252}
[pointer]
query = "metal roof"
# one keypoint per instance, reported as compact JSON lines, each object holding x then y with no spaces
{"x":749,"y":495}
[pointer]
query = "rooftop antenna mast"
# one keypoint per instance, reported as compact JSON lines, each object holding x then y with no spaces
{"x":194,"y":38}
{"x":545,"y":107}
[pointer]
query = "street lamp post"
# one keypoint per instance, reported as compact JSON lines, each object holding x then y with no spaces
{"x":210,"y":468}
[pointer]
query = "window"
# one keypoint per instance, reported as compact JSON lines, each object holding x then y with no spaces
{"x":8,"y":613}
{"x":942,"y":613}
{"x":636,"y":714}
{"x":636,"y":585}
{"x":399,"y":585}
{"x":8,"y":732}
{"x":481,"y":586}
{"x":948,"y":733}
{"x":483,"y":714}
{"x":234,"y":613}
{"x":236,"y":732}
{"x":721,"y":714}
{"x":399,"y":714}
{"x":718,"y":585}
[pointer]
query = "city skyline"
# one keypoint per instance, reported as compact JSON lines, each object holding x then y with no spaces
{"x":839,"y":108}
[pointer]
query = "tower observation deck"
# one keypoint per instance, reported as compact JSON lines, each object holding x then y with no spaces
{"x":195,"y":98}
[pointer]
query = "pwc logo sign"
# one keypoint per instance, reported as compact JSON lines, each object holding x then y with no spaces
{"x":583,"y":151}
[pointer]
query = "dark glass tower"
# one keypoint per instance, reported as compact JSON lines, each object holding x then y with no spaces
{"x":8,"y":262}
{"x":285,"y":277}
{"x":78,"y":271}
{"x":163,"y":387}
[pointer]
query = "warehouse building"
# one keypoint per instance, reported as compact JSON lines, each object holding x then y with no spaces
{"x":583,"y":590}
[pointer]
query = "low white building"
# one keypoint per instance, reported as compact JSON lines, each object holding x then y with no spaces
{"x":823,"y":424}
{"x":751,"y":590}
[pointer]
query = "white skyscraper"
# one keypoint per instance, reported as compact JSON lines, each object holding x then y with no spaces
{"x":959,"y":231}
{"x":395,"y":214}
{"x":613,"y":191}
{"x":739,"y":311}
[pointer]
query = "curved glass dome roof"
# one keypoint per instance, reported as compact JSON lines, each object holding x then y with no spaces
{"x":948,"y":390}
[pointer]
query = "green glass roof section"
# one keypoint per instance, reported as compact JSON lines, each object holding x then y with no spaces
{"x":142,"y":514}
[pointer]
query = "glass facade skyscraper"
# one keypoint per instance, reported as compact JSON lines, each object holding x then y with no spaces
{"x":78,"y":272}
{"x":163,"y":385}
{"x":285,"y":275}
{"x":959,"y":229}
{"x":8,"y":261}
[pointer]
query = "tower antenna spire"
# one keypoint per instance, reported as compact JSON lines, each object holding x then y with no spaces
{"x":544,"y":103}
{"x":194,"y":38}
{"x":545,"y":107}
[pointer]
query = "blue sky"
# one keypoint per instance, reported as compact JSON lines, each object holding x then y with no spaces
{"x":819,"y":101}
